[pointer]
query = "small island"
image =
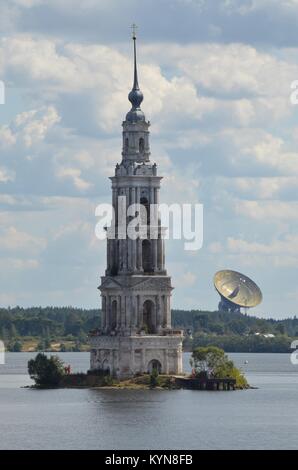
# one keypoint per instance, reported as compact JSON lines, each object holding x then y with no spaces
{"x":211,"y":370}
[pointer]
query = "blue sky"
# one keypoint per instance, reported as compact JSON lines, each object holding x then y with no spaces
{"x":216,"y":78}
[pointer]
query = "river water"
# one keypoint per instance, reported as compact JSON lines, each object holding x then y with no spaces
{"x":263,"y":418}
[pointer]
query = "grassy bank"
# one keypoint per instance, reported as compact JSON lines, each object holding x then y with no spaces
{"x":140,"y":382}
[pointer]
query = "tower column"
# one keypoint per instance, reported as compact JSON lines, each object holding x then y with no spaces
{"x":108,"y":312}
{"x":118,"y":312}
{"x":154,"y":254}
{"x":139,"y":254}
{"x":127,"y":241}
{"x":158,"y":313}
{"x":114,"y":198}
{"x":103,"y":312}
{"x":167,"y":311}
{"x":122,"y":311}
{"x":159,"y":253}
{"x":166,"y":361}
{"x":133,"y":245}
{"x":138,"y":241}
{"x":143,"y":360}
{"x":108,"y":256}
{"x":140,"y":311}
{"x":134,"y":312}
{"x":157,"y":196}
{"x":152,"y":198}
{"x":132,"y":360}
{"x":138,"y":195}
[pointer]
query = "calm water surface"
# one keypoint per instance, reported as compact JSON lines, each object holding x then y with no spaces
{"x":266,"y":418}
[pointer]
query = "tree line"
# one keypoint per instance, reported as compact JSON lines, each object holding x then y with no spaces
{"x":230,"y":331}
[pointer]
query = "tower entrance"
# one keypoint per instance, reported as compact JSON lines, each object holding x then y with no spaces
{"x":154,"y":365}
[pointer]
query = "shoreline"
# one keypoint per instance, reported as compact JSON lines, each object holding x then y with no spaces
{"x":56,"y":351}
{"x":142,"y":382}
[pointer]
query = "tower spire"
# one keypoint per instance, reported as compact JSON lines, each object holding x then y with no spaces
{"x":135,"y":96}
{"x":134,"y":38}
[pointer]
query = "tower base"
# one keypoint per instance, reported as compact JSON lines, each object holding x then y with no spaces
{"x":126,"y":356}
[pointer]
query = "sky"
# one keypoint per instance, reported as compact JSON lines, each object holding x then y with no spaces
{"x":216,"y":78}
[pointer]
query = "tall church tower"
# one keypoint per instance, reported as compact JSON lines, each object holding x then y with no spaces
{"x":136,"y":334}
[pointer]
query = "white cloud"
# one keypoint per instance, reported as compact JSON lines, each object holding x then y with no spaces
{"x":249,"y":6}
{"x":29,"y":127}
{"x":104,"y":73}
{"x":21,"y":264}
{"x":238,"y":252}
{"x":6,"y":175}
{"x":14,"y":240}
{"x":263,"y":149}
{"x":28,"y":3}
{"x":215,"y":247}
{"x":288,"y":245}
{"x":74,"y":174}
{"x":7,"y":138}
{"x":219,"y":112}
{"x":229,"y":68}
{"x":265,"y":188}
{"x":189,"y":278}
{"x":33,"y":126}
{"x":278,"y":252}
{"x":265,"y":211}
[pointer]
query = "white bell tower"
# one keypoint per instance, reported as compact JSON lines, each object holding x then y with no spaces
{"x":136,"y":333}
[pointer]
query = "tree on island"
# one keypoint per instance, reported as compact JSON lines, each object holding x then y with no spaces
{"x":212,"y":362}
{"x":154,"y":378}
{"x":46,"y":371}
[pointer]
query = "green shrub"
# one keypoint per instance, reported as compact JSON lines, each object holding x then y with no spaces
{"x":15,"y":346}
{"x":107,"y":380}
{"x":214,"y":363}
{"x":154,"y":378}
{"x":46,"y":371}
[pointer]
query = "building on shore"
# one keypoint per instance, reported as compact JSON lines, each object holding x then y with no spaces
{"x":136,"y":335}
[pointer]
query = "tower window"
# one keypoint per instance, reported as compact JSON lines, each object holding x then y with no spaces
{"x":126,"y":144}
{"x":114,"y":315}
{"x":144,"y":201}
{"x":149,"y":317}
{"x":147,"y":256}
{"x":141,"y":145}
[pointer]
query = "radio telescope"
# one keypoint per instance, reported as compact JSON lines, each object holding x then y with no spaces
{"x":236,"y":290}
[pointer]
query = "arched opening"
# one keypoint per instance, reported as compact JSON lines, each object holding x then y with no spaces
{"x":141,"y":145}
{"x":114,"y":315}
{"x":105,"y":367}
{"x":154,"y":365}
{"x":126,"y":144}
{"x":146,"y":256}
{"x":144,"y":201}
{"x":149,"y":320}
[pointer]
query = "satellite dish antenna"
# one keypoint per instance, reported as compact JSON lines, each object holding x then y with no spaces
{"x":236,"y":290}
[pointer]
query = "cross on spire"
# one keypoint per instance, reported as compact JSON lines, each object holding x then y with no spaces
{"x":134,"y":29}
{"x":135,"y":96}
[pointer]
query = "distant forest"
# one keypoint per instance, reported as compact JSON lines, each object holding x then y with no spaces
{"x":66,"y":329}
